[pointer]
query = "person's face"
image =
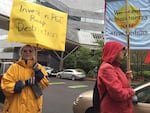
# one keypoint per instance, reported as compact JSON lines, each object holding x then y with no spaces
{"x":121,"y":55}
{"x":27,"y":53}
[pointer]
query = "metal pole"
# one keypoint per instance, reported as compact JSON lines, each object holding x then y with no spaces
{"x":128,"y":39}
{"x":61,"y":61}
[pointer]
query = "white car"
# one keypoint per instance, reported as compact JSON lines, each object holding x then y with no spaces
{"x":72,"y":74}
{"x":3,"y":68}
{"x":48,"y":70}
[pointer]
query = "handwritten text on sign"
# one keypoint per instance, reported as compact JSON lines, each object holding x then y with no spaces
{"x":36,"y":21}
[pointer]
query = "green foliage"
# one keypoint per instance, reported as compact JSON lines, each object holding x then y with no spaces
{"x":85,"y":59}
{"x":80,"y":59}
{"x":81,"y":70}
{"x":146,"y":73}
{"x":90,"y":73}
{"x":124,"y":64}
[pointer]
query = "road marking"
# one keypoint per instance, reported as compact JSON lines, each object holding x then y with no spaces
{"x":55,"y":83}
{"x":78,"y":86}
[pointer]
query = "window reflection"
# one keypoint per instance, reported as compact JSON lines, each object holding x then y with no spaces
{"x":144,"y":95}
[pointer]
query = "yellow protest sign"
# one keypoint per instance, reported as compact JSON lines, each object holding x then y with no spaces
{"x":34,"y":24}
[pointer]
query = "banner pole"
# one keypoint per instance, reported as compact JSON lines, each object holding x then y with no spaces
{"x":128,"y":39}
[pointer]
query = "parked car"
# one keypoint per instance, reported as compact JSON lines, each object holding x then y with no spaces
{"x":48,"y":70}
{"x":3,"y":67}
{"x":53,"y":73}
{"x":83,"y":103}
{"x":72,"y":74}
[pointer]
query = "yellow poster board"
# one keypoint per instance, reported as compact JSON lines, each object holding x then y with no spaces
{"x":37,"y":25}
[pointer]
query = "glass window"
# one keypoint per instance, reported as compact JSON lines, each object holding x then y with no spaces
{"x":68,"y":71}
{"x":6,"y":67}
{"x":144,"y":95}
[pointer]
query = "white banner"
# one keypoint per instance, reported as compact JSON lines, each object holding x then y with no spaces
{"x":138,"y":21}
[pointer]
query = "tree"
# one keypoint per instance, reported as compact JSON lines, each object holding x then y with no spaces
{"x":84,"y":58}
{"x":79,"y":59}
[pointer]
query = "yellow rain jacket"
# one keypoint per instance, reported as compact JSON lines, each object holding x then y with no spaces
{"x":24,"y":102}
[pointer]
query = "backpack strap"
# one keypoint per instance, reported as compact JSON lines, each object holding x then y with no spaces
{"x":97,"y":99}
{"x":104,"y":94}
{"x":102,"y":97}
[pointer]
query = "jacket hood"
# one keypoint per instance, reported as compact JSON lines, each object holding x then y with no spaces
{"x":111,"y":50}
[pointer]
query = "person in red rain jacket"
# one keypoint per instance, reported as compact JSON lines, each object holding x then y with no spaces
{"x":113,"y":82}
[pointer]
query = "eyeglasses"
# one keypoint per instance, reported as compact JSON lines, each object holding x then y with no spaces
{"x":25,"y":51}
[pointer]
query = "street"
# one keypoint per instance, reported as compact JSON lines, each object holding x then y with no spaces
{"x":59,"y":96}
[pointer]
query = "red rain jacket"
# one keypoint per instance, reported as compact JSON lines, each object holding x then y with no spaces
{"x":112,"y":79}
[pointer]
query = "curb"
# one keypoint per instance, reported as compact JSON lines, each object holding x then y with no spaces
{"x":90,"y":79}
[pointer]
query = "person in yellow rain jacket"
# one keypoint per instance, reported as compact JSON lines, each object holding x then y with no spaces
{"x":23,"y":83}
